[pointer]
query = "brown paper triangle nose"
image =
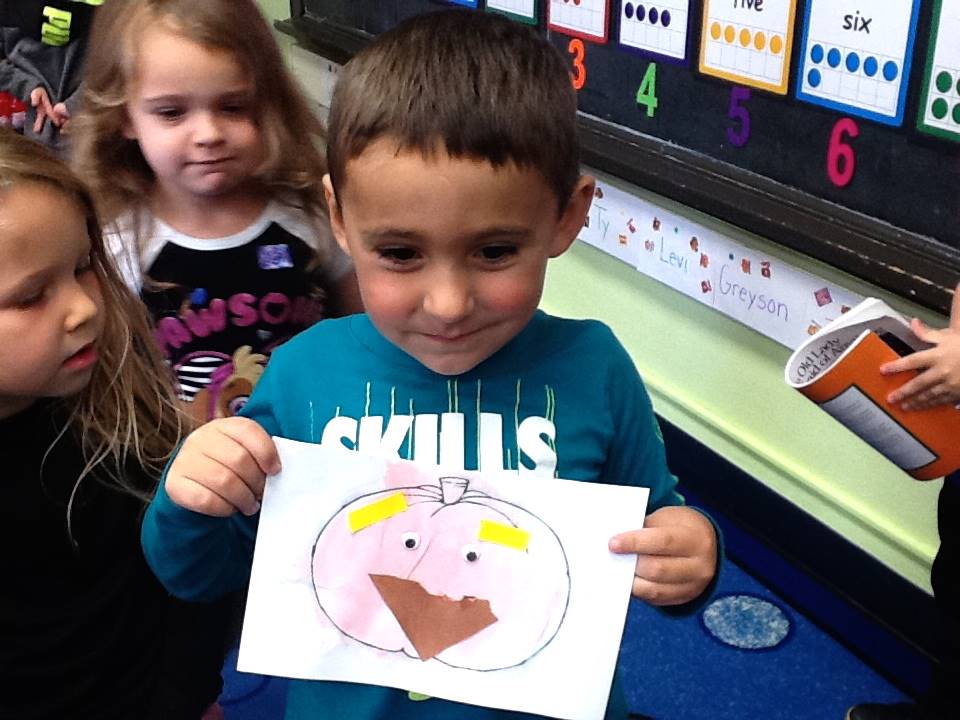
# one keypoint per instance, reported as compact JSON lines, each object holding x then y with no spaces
{"x":432,"y":622}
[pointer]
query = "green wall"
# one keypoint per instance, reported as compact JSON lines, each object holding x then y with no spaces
{"x":722,"y":383}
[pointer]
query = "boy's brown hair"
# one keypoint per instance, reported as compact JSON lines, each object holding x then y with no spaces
{"x":473,"y":84}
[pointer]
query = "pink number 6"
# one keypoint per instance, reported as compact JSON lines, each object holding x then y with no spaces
{"x":841,"y":161}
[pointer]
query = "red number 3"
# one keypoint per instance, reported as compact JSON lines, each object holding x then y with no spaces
{"x":841,"y":161}
{"x":579,"y":76}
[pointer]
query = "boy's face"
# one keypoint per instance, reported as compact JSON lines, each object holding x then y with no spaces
{"x":450,"y":254}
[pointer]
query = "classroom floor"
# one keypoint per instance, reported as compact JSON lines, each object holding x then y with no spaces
{"x":746,"y":655}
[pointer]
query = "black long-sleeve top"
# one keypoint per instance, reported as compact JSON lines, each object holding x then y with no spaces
{"x":86,"y":631}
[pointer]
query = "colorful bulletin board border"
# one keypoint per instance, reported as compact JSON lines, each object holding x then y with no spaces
{"x":586,"y":19}
{"x":939,"y":112}
{"x":662,"y":30}
{"x":525,"y":11}
{"x":769,"y":46}
{"x":865,"y":67}
{"x":764,"y":293}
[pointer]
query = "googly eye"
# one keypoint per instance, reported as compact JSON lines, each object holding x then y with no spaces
{"x":410,"y":540}
{"x":470,"y":553}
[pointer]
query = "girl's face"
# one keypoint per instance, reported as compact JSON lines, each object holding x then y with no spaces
{"x":191,"y":109}
{"x":50,"y":301}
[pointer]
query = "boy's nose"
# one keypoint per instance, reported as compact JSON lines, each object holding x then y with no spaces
{"x":448,"y":298}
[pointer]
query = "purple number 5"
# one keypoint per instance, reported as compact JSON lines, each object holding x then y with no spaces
{"x":737,"y":111}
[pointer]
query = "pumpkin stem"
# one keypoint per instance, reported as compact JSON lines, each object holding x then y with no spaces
{"x":452,"y":489}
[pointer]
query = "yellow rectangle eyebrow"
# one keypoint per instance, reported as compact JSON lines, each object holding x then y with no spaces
{"x":372,"y":513}
{"x":506,"y":535}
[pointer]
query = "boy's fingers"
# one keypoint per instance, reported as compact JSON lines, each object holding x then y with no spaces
{"x":651,"y":541}
{"x":255,"y":441}
{"x":222,"y":482}
{"x":661,"y":593}
{"x":673,"y":570}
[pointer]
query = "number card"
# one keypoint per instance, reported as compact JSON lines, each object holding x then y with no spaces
{"x":660,"y":28}
{"x":940,"y":107}
{"x":749,"y":42}
{"x":585,"y":19}
{"x":522,"y":10}
{"x":856,"y":56}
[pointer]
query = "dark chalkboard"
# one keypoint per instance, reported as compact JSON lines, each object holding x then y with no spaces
{"x":754,"y":158}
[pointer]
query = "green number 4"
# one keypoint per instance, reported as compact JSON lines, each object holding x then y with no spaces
{"x":647,"y":92}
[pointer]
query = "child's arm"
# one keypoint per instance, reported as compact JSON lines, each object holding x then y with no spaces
{"x":676,"y":555}
{"x":193,"y":537}
{"x":939,"y":380}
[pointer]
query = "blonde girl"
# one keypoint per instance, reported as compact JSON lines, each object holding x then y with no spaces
{"x":203,"y":155}
{"x":87,"y":422}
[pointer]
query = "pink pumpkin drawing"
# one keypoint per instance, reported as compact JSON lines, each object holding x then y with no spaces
{"x":434,"y":569}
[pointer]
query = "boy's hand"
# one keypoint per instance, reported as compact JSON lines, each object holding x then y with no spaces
{"x":939,"y":380}
{"x":221,"y":468}
{"x":676,"y":555}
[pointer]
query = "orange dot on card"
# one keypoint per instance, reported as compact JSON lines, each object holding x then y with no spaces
{"x":729,"y":34}
{"x":744,"y":37}
{"x":715,"y":31}
{"x":759,"y":41}
{"x":776,"y":44}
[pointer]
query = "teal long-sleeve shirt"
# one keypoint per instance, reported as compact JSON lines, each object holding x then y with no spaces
{"x":561,"y":399}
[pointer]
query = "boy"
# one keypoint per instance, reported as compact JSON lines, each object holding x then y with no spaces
{"x":937,"y":383}
{"x":454,"y":176}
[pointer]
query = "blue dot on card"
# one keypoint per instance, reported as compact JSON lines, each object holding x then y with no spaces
{"x":665,"y":18}
{"x":813,"y":77}
{"x":641,"y":13}
{"x":816,"y":53}
{"x":870,"y":66}
{"x":853,"y":62}
{"x":628,"y":10}
{"x":833,"y":57}
{"x":890,"y":70}
{"x":746,"y":622}
{"x":653,"y":15}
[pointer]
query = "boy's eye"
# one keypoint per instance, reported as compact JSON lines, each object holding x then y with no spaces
{"x":498,"y":252}
{"x":398,"y":254}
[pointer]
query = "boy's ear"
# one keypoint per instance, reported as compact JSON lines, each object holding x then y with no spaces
{"x":573,"y":216}
{"x":336,"y":216}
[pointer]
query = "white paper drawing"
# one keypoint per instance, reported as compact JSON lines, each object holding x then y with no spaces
{"x":493,"y":590}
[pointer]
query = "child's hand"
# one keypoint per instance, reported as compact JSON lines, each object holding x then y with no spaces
{"x":221,"y":468}
{"x":61,"y":117}
{"x":939,"y":380}
{"x":41,"y":101}
{"x":676,"y":555}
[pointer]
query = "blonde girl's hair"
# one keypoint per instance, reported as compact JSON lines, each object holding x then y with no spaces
{"x":112,"y":165}
{"x":127,"y":417}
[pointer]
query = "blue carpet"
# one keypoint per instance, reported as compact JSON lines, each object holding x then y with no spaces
{"x":746,"y":655}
